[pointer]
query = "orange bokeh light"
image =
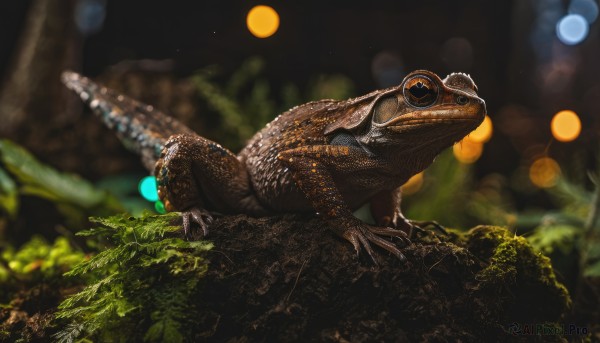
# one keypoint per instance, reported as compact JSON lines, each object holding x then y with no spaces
{"x":413,"y":185}
{"x":467,"y":151}
{"x":483,"y":132}
{"x":565,"y":126}
{"x":262,"y":21}
{"x":544,"y":172}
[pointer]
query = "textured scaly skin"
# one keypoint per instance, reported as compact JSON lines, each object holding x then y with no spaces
{"x":327,"y":156}
{"x":140,"y":127}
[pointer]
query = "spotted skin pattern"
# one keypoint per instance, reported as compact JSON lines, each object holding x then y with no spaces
{"x":329,"y":157}
{"x":140,"y":127}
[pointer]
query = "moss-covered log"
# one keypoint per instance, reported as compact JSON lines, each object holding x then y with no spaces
{"x":290,"y":279}
{"x":282,"y":279}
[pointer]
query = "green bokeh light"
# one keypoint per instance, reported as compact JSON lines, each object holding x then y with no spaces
{"x":148,"y":188}
{"x":160,"y":207}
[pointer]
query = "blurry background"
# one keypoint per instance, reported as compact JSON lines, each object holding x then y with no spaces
{"x":226,"y":68}
{"x":530,"y":59}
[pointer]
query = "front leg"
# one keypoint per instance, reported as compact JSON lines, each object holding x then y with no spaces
{"x":311,"y":168}
{"x":385,"y":208}
{"x":194,"y":173}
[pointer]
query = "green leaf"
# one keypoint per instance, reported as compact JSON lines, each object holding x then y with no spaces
{"x":549,"y":238}
{"x":70,"y":333}
{"x":592,"y":270}
{"x":443,"y":196}
{"x":335,"y":86}
{"x":164,"y":331}
{"x":592,"y":252}
{"x":45,"y":182}
{"x":248,"y":72}
{"x":101,"y":260}
{"x":573,"y":198}
{"x":9,"y":199}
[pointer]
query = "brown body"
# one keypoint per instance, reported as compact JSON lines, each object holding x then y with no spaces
{"x":329,"y":157}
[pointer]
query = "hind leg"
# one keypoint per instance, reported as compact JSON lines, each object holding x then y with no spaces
{"x":195,"y":174}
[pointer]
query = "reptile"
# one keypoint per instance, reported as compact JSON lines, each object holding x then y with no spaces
{"x":329,"y":156}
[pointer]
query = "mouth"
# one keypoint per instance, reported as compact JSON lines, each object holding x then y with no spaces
{"x":421,"y":121}
{"x":441,"y":115}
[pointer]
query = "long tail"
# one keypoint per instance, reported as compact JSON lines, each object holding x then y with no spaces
{"x":140,"y":127}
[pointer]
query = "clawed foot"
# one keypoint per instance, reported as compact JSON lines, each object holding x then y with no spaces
{"x":421,"y":227}
{"x":360,"y":234}
{"x":196,"y":215}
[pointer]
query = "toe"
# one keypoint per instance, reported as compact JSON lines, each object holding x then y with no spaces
{"x":202,"y":218}
{"x":421,"y":227}
{"x":348,"y":235}
{"x":387,"y":245}
{"x":390,"y":232}
{"x":365,"y":243}
{"x":193,"y":218}
{"x":186,"y":223}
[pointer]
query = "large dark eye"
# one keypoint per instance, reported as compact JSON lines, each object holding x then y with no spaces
{"x":420,"y":91}
{"x":385,"y":109}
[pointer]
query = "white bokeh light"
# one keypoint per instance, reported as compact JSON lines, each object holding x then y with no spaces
{"x":585,"y":8}
{"x":572,"y":29}
{"x":89,"y":15}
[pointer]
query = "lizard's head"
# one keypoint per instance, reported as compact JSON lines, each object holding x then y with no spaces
{"x":425,"y":111}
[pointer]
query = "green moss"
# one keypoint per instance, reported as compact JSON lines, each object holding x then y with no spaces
{"x":521,"y":279}
{"x":141,"y":283}
{"x":37,"y":260}
{"x":502,"y":269}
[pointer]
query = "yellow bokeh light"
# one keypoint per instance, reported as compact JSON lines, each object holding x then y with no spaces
{"x":565,"y":126}
{"x":413,"y":185}
{"x":467,"y":151}
{"x":262,"y":21}
{"x":483,"y":132}
{"x":544,"y":172}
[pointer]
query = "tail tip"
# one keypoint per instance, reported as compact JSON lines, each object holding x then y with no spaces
{"x":79,"y":84}
{"x":70,"y":78}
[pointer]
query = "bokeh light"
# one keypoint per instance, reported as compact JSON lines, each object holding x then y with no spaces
{"x":565,"y":126}
{"x":89,"y":15}
{"x":148,"y":188}
{"x":544,"y":172}
{"x":585,"y":8}
{"x":457,"y":54}
{"x":262,"y":21}
{"x":387,"y":69}
{"x":467,"y":151}
{"x":572,"y":29}
{"x":483,"y":132}
{"x":160,"y":207}
{"x":544,"y":27}
{"x":413,"y":185}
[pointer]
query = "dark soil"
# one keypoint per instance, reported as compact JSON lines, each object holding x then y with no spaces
{"x":287,"y":279}
{"x":282,"y":279}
